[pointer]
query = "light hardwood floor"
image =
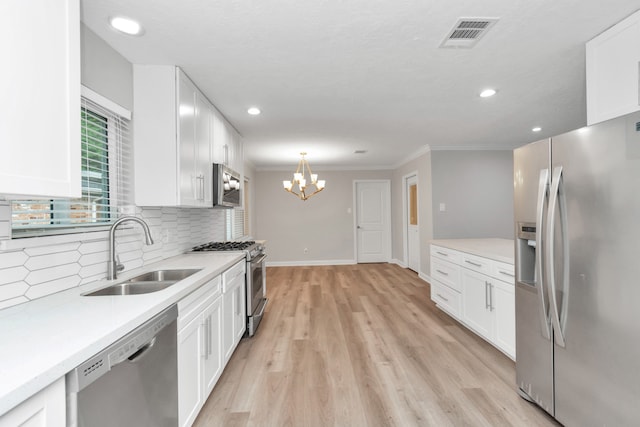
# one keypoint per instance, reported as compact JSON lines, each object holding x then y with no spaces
{"x":363,"y":345}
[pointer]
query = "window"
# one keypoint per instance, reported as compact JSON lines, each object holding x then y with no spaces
{"x":106,"y":155}
{"x":235,"y":223}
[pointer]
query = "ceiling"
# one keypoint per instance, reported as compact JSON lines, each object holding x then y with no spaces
{"x":335,"y":76}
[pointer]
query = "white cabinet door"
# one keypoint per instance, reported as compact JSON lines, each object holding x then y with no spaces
{"x":475,"y":302}
{"x":613,"y":68}
{"x":44,"y":409}
{"x":203,"y":162}
{"x":189,"y":188}
{"x":190,"y":371}
{"x":503,"y":299}
{"x":213,"y":345}
{"x":228,"y":316}
{"x":240,"y":318}
{"x":40,"y":86}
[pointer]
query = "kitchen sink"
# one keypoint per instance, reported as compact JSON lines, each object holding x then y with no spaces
{"x":152,"y":281}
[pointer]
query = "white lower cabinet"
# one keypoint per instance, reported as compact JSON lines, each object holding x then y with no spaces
{"x":234,"y":320}
{"x":477,"y":291}
{"x":44,"y":409}
{"x":199,"y":349}
{"x":476,"y":306}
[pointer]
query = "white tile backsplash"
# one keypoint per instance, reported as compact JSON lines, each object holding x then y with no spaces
{"x":38,"y":270}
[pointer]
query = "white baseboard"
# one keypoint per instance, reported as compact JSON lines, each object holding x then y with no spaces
{"x":398,"y":262}
{"x":424,"y":277}
{"x":310,"y":263}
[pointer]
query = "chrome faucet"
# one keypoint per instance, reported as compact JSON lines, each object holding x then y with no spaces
{"x":114,"y":264}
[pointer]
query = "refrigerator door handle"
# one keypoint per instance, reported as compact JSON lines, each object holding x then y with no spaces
{"x":543,"y":187}
{"x":557,"y":193}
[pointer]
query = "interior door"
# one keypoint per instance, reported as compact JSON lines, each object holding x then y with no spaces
{"x":373,"y":221}
{"x":413,"y":234}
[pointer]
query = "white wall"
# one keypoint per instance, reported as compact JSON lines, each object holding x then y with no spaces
{"x":322,"y":224}
{"x":421,"y":166}
{"x":477,"y":190}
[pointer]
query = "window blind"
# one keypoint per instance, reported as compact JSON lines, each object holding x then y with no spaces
{"x":106,"y":178}
{"x":235,"y":223}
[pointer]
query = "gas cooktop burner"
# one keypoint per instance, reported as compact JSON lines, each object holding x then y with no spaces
{"x":224,"y":246}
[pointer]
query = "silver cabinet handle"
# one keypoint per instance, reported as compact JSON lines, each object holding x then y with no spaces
{"x":204,"y":340}
{"x":486,"y":297}
{"x":209,"y":330}
{"x":440,"y":296}
{"x":442,"y":272}
{"x":442,"y":253}
{"x":473,"y":263}
{"x":505,"y":273}
{"x":543,"y":189}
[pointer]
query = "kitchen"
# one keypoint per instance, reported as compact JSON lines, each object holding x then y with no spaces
{"x":319,"y":231}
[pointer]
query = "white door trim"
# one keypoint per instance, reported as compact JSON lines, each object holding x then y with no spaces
{"x":387,"y":231}
{"x":405,"y":223}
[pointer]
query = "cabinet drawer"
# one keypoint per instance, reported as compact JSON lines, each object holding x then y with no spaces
{"x":479,"y":264}
{"x":445,"y":272}
{"x":445,"y":254}
{"x":503,"y":271}
{"x":232,"y":274}
{"x":191,"y":305}
{"x":446,"y":298}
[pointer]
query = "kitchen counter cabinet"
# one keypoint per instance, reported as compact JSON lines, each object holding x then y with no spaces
{"x":44,"y":409}
{"x":40,"y":115}
{"x":234,"y":321}
{"x":199,"y":349}
{"x":473,"y":281}
{"x":72,"y":327}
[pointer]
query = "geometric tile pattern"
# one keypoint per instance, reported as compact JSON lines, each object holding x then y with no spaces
{"x":34,"y":272}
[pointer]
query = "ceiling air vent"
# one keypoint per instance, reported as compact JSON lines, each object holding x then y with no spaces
{"x":467,"y":32}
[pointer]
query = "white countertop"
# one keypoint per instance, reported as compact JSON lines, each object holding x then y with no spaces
{"x":495,"y":249}
{"x":42,"y":340}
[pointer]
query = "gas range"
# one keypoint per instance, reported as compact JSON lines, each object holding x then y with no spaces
{"x":255,"y":277}
{"x":249,"y":247}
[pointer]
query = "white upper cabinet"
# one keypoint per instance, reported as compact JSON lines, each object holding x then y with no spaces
{"x":227,"y":144}
{"x":172,"y":139}
{"x":40,"y":112}
{"x":613,"y":71}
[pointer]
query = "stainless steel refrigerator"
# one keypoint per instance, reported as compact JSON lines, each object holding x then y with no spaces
{"x":577,"y":218}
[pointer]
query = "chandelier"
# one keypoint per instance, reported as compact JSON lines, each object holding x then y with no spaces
{"x":300,"y":180}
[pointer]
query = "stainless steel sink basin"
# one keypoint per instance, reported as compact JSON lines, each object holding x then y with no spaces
{"x":146,"y":283}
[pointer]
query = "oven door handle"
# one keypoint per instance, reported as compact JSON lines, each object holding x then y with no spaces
{"x":259,"y":259}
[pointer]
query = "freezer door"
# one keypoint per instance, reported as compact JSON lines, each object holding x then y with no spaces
{"x":597,"y":380}
{"x":534,"y":349}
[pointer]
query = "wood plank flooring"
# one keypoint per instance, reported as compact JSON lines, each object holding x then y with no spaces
{"x":363,"y":345}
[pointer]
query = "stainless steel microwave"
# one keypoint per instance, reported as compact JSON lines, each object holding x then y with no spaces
{"x":226,"y":187}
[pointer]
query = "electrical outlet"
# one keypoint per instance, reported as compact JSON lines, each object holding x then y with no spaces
{"x":306,"y":250}
{"x":443,"y":207}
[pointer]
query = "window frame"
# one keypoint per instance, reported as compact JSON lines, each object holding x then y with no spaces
{"x":115,"y":162}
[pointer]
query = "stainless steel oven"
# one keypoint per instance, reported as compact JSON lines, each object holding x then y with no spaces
{"x":256,"y":276}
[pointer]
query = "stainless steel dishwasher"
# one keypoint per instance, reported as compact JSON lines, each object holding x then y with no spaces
{"x":133,"y":382}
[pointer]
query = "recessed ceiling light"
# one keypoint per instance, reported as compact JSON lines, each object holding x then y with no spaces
{"x":487,"y":93}
{"x":254,"y":111}
{"x":126,"y":25}
{"x":536,"y":129}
